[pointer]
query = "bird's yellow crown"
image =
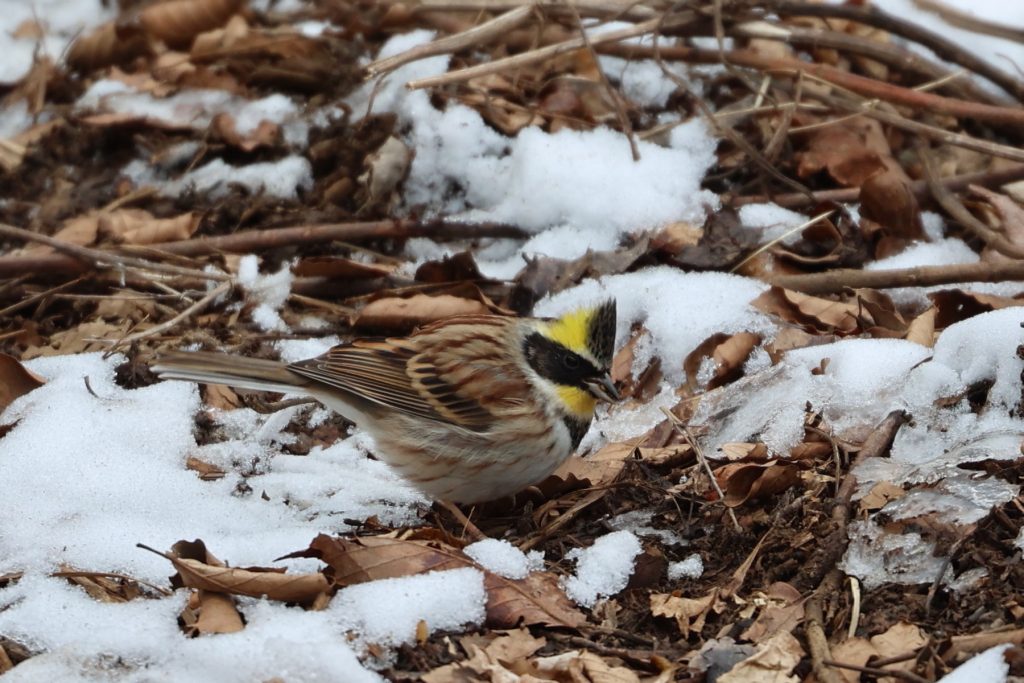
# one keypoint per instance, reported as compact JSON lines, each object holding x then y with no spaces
{"x":572,"y":330}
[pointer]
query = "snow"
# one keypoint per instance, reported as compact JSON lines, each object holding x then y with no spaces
{"x":284,"y":178}
{"x":62,"y":22}
{"x":267,"y":293}
{"x":118,"y":459}
{"x":504,"y":559}
{"x":577,"y":190}
{"x":987,"y":667}
{"x":387,"y":612}
{"x":603,"y":569}
{"x":690,"y":568}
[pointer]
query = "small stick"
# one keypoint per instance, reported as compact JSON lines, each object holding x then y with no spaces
{"x":184,"y":315}
{"x":105,"y":258}
{"x":875,"y":671}
{"x":685,"y":432}
{"x":955,"y":208}
{"x":494,"y":28}
{"x":841,"y":279}
{"x":467,"y":525}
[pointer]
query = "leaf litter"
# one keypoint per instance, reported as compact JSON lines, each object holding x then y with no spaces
{"x":865,"y":547}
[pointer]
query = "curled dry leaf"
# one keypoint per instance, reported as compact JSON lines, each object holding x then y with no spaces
{"x":15,"y":380}
{"x":781,"y":610}
{"x":489,"y":659}
{"x":177,"y":22}
{"x":385,"y":169}
{"x":110,"y":43}
{"x":394,"y":313}
{"x":213,"y":613}
{"x":741,"y":482}
{"x":1010,"y":218}
{"x":338,"y":268}
{"x":266,"y":134}
{"x":901,"y":638}
{"x":954,"y":305}
{"x":689,"y":613}
{"x":135,"y":226}
{"x":537,"y":599}
{"x":200,"y":570}
{"x":772,"y":663}
{"x":727,"y":352}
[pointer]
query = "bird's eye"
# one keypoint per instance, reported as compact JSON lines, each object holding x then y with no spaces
{"x":571,"y":361}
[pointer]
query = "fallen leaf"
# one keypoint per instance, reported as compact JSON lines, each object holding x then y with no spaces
{"x":537,"y":599}
{"x":772,"y":663}
{"x":393,"y":313}
{"x":689,"y":613}
{"x":209,"y":574}
{"x":177,"y":22}
{"x":742,"y":482}
{"x":782,"y":612}
{"x":338,"y":268}
{"x":489,"y":659}
{"x":216,"y":613}
{"x":15,"y":380}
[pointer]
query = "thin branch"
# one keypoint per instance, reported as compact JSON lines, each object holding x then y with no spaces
{"x":198,"y":306}
{"x":954,"y":183}
{"x":105,"y":258}
{"x":956,"y":209}
{"x":486,"y":32}
{"x":699,"y":452}
{"x":838,"y":280}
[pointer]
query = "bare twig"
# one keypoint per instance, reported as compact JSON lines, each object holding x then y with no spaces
{"x":543,"y":53}
{"x":181,"y":317}
{"x":838,"y":280}
{"x":105,"y":258}
{"x":684,"y":431}
{"x":247,"y":241}
{"x":871,"y":15}
{"x":956,"y":209}
{"x":954,"y":183}
{"x":478,"y":35}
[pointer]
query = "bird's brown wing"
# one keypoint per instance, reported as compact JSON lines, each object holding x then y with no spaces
{"x":437,"y":374}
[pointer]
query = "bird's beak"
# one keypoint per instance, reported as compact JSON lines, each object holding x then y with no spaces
{"x":604,"y":389}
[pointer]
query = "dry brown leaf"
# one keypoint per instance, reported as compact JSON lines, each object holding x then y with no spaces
{"x":100,"y":587}
{"x":206,"y":471}
{"x":79,"y":339}
{"x":600,"y":469}
{"x":772,"y":663}
{"x":750,"y":481}
{"x":217,"y":613}
{"x":177,"y":22}
{"x":393,"y":313}
{"x":110,"y":43}
{"x":955,"y":305}
{"x":537,"y":599}
{"x":385,"y":169}
{"x":580,"y":666}
{"x":689,"y":613}
{"x":899,"y":639}
{"x":135,"y":226}
{"x":745,"y":451}
{"x":782,"y":611}
{"x":1010,"y":217}
{"x":265,"y":134}
{"x":921,"y":329}
{"x":880,"y":494}
{"x":488,"y":659}
{"x":220,"y":396}
{"x":200,"y":570}
{"x":727,"y":352}
{"x":338,"y":268}
{"x":15,"y":380}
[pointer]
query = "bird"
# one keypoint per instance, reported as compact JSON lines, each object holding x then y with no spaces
{"x":467,"y":409}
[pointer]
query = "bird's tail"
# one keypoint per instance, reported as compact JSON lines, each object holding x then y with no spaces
{"x":235,"y":371}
